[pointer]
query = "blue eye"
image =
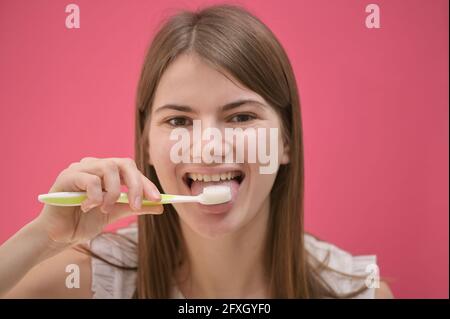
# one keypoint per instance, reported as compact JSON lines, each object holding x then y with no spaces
{"x":242,"y":118}
{"x":179,"y":121}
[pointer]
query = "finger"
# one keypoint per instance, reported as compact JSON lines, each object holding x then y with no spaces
{"x":132,"y":179}
{"x":151,"y":192}
{"x":70,"y":180}
{"x":108,"y":171}
{"x":92,"y":184}
{"x":121,"y":210}
{"x":111,"y":180}
{"x":88,"y":159}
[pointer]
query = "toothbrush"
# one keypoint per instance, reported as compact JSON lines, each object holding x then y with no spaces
{"x":211,"y":195}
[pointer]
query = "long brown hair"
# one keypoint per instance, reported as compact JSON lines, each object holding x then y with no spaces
{"x":231,"y":39}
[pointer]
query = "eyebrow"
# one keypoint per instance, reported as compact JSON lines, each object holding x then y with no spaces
{"x":226,"y":107}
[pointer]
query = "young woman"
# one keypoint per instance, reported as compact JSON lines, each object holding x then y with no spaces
{"x":224,"y":67}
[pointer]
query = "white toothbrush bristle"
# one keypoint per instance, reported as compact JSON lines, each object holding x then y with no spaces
{"x":213,"y":195}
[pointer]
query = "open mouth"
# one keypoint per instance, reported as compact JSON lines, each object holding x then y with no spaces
{"x":191,"y":178}
{"x":196,"y":182}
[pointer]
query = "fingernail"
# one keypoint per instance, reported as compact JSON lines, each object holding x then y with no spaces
{"x":138,"y":202}
{"x":104,"y":209}
{"x":84,"y":208}
{"x":156,"y":194}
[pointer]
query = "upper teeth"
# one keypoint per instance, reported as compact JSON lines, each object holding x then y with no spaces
{"x":213,"y":177}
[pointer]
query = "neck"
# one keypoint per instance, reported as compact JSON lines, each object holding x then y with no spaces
{"x":230,"y":266}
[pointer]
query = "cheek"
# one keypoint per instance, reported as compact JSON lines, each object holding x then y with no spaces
{"x":261,"y":184}
{"x":159,"y":147}
{"x":159,"y":151}
{"x":283,"y":154}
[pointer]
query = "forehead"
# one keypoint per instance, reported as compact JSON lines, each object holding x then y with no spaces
{"x":191,"y":80}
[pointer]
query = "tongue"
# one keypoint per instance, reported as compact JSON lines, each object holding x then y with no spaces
{"x":197,"y":186}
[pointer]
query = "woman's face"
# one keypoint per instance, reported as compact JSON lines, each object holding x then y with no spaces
{"x":202,"y":92}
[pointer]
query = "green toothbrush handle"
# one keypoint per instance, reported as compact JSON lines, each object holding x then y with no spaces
{"x":165,"y":199}
{"x":76,"y":198}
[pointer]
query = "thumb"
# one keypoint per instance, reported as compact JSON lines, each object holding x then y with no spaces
{"x":122,"y":210}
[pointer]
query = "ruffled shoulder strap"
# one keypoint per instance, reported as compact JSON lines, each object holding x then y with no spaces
{"x":344,"y":262}
{"x":109,"y":281}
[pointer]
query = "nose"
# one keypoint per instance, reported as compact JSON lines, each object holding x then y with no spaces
{"x":208,"y":142}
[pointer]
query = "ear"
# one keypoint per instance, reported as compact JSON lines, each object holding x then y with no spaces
{"x":285,"y":156}
{"x":149,"y":161}
{"x":149,"y":158}
{"x":146,"y":143}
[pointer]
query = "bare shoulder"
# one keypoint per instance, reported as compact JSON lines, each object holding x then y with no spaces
{"x":384,"y":292}
{"x":57,"y":277}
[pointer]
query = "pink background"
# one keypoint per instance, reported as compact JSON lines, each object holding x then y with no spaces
{"x":374,"y":102}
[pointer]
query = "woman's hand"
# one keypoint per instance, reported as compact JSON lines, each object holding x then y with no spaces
{"x":72,"y":225}
{"x":57,"y":228}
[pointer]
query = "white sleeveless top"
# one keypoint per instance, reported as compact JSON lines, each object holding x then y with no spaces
{"x":112,"y":282}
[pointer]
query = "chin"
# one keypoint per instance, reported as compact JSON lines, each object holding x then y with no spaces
{"x":210,"y":225}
